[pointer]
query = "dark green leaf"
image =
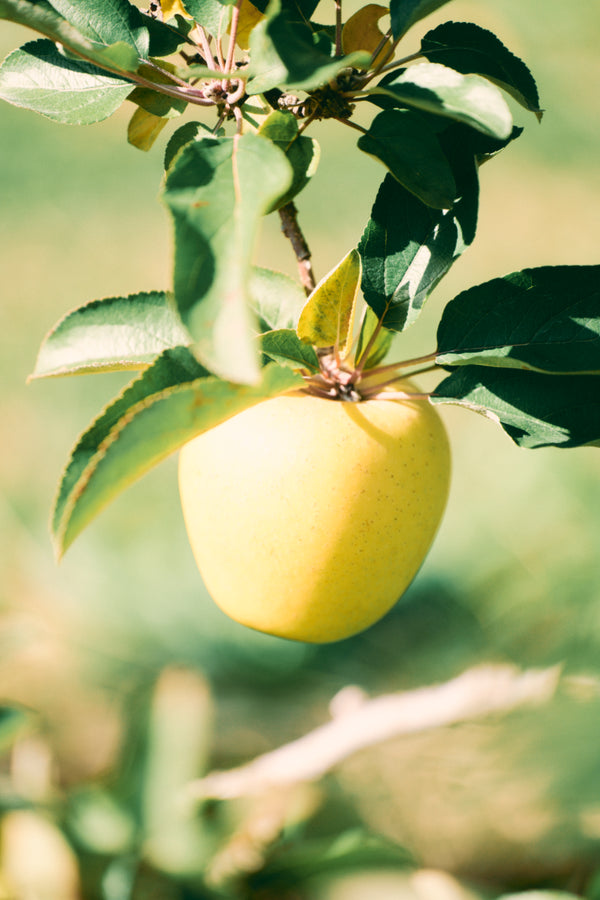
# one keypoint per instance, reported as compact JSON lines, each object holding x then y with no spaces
{"x":157,"y":104}
{"x":302,"y":152}
{"x":293,"y":863}
{"x":40,"y":78}
{"x":470,"y":49}
{"x":184,"y":135}
{"x":405,"y":13}
{"x":406,"y":248}
{"x":107,"y":22}
{"x":211,"y":14}
{"x":536,"y":410}
{"x":443,"y":91}
{"x":276,"y":299}
{"x":405,"y":144}
{"x":115,"y":333}
{"x":284,"y":347}
{"x":171,"y":403}
{"x":546,"y":319}
{"x":283,"y":53}
{"x":217,"y":191}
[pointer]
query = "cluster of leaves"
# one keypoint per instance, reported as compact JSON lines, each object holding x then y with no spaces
{"x":524,"y":349}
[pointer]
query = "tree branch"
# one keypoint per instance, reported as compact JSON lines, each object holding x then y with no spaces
{"x":363,"y":723}
{"x":289,"y":226}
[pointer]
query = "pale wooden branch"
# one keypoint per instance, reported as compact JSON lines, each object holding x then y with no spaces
{"x":476,"y":693}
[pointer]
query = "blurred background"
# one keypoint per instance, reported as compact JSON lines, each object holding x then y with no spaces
{"x":123,"y":679}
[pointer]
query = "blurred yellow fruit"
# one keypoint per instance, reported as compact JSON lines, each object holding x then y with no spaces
{"x":309,"y":517}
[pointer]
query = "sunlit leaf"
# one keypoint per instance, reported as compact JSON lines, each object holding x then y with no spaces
{"x":143,"y":129}
{"x":166,"y":407}
{"x":211,"y":14}
{"x":40,"y":78}
{"x":217,"y":191}
{"x":536,"y":410}
{"x":546,"y":319}
{"x":362,"y":32}
{"x":107,"y":22}
{"x":405,"y":249}
{"x":114,"y":333}
{"x":276,"y":299}
{"x":468,"y":48}
{"x":404,"y":143}
{"x":249,"y":18}
{"x":443,"y":91}
{"x":326,"y":320}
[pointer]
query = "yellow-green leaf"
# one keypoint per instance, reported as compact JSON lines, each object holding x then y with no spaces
{"x":362,"y":32}
{"x":171,"y":8}
{"x":327,"y":318}
{"x":144,"y":128}
{"x":250,"y":16}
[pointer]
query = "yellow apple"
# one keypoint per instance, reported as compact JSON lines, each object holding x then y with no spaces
{"x":309,"y":517}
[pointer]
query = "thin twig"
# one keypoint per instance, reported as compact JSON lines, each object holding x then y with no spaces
{"x":205,"y":46}
{"x":338,"y":27}
{"x":291,"y":229}
{"x":233,"y":29}
{"x":364,"y":723}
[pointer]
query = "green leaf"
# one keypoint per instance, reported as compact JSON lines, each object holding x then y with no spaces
{"x":13,"y":721}
{"x":217,"y":191}
{"x":283,"y":53}
{"x":184,"y":135}
{"x":38,"y":77}
{"x":405,"y":249}
{"x":381,"y":345}
{"x":443,"y":91}
{"x":41,"y":17}
{"x":536,"y":410}
{"x":107,"y":22}
{"x":284,"y":347}
{"x":211,"y":14}
{"x":143,"y":129}
{"x":302,"y":152}
{"x":546,"y":319}
{"x":173,"y":367}
{"x":169,"y":405}
{"x":110,"y":334}
{"x":160,"y":105}
{"x":327,"y":318}
{"x":404,"y":143}
{"x":405,"y":13}
{"x":276,"y":299}
{"x":468,"y":48}
{"x":354,"y":850}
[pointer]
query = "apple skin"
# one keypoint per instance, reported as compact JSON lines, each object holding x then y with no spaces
{"x":308,"y":517}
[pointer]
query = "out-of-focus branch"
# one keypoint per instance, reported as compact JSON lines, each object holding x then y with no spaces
{"x":362,"y":723}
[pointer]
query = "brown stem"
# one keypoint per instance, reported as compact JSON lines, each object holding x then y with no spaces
{"x":233,"y":29}
{"x":338,"y":27}
{"x":290,"y":228}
